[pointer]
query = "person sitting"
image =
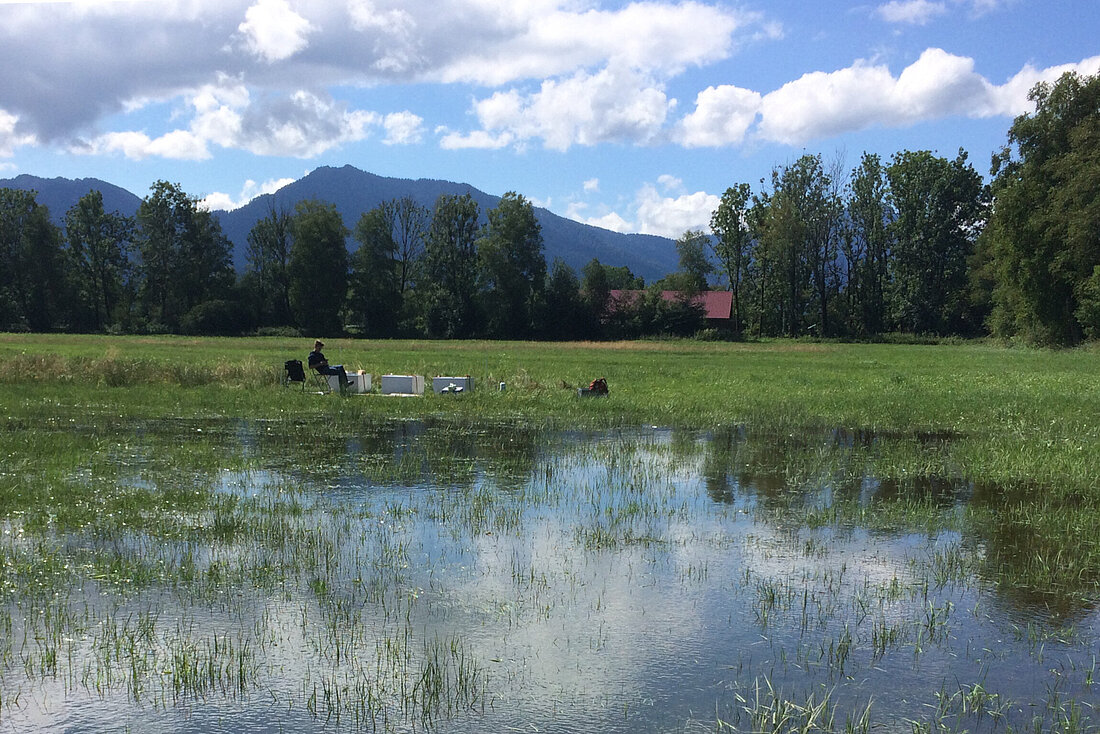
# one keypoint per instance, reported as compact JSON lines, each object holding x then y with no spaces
{"x":319,"y":364}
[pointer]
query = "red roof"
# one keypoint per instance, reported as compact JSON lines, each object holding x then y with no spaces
{"x":716,"y":304}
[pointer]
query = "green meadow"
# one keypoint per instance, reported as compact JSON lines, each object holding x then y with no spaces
{"x":176,"y":526}
{"x":1015,"y":415}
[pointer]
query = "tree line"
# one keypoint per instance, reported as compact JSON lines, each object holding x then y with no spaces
{"x":917,"y":244}
{"x":445,"y":272}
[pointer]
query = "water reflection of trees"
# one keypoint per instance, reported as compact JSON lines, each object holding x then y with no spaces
{"x":400,"y":453}
{"x":1036,"y":563}
{"x":1026,"y":547}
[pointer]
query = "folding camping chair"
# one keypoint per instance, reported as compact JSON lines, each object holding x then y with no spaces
{"x":295,"y":374}
{"x":321,"y":381}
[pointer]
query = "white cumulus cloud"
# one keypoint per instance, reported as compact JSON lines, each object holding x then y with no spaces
{"x":136,"y":145}
{"x":673,"y":212}
{"x":403,"y":128}
{"x":612,"y":105}
{"x":938,"y":84}
{"x":722,"y":116}
{"x":514,"y":41}
{"x":9,"y":138}
{"x":664,"y":208}
{"x":476,"y":140}
{"x":1010,"y":99}
{"x":273,"y":31}
{"x":225,"y":114}
{"x":250,"y":190}
{"x":616,"y":57}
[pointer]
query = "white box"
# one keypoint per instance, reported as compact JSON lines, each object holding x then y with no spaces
{"x":402,"y":384}
{"x":452,"y":384}
{"x":358,"y":382}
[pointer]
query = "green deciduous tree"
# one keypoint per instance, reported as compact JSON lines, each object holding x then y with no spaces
{"x":375,"y":293}
{"x":866,"y":247}
{"x":567,"y":316}
{"x":268,"y":259}
{"x":449,"y":276}
{"x":34,"y":290}
{"x":596,"y":288}
{"x":691,"y":249}
{"x":184,"y":255}
{"x":410,"y":223}
{"x":798,"y":245}
{"x":99,"y":246}
{"x":512,"y":269}
{"x":732,"y":244}
{"x":940,"y":206}
{"x":1044,"y":239}
{"x":318,"y":267}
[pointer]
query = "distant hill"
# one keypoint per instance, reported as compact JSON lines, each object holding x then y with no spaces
{"x":60,"y":194}
{"x":354,"y":192}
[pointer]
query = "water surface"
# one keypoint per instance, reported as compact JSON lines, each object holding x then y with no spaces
{"x":259,"y":577}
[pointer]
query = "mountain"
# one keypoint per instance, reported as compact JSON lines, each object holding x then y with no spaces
{"x":354,"y":192}
{"x":60,"y":194}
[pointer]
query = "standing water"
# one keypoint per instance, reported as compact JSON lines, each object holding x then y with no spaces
{"x":458,"y":578}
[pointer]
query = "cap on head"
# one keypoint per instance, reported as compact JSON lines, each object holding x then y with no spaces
{"x":318,"y":343}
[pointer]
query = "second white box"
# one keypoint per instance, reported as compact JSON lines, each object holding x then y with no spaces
{"x":402,"y":384}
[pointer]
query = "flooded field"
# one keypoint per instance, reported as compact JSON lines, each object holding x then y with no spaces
{"x":183,"y":576}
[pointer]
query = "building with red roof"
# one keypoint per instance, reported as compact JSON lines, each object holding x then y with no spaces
{"x":717,"y":305}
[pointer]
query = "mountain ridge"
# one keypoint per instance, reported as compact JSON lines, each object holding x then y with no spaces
{"x":354,"y":191}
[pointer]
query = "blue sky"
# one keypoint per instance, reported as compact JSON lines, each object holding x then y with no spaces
{"x":634,"y":116}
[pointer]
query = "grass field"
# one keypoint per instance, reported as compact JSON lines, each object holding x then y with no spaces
{"x":1014,"y":415}
{"x":119,"y":535}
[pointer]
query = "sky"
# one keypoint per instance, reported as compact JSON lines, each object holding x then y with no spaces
{"x":634,"y":116}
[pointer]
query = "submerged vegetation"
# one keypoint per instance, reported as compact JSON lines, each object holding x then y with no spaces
{"x":770,"y":537}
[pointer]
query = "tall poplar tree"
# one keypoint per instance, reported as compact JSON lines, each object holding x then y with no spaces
{"x":374,"y":299}
{"x":512,"y":269}
{"x":450,"y":268}
{"x":866,"y":247}
{"x":732,"y":243}
{"x":318,"y":268}
{"x":268,"y":258}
